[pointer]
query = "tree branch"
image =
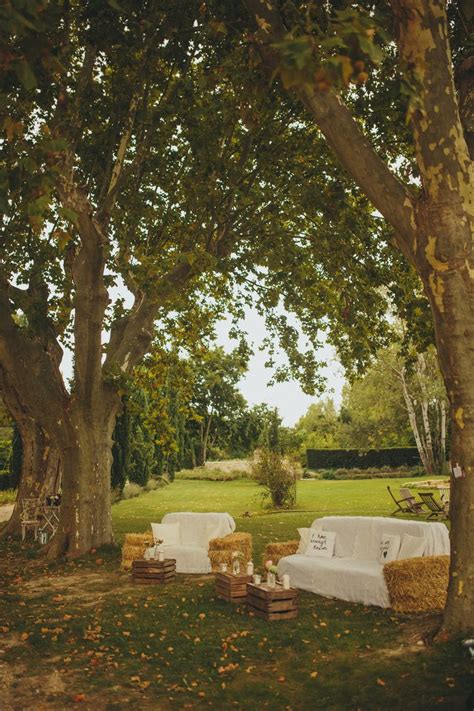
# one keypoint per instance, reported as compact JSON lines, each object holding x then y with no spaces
{"x":343,"y":134}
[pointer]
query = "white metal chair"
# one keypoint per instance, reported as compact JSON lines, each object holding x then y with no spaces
{"x":30,"y":517}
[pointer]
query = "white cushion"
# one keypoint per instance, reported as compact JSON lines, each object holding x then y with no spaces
{"x":321,"y":544}
{"x":169,"y":533}
{"x":389,"y":548}
{"x":412,"y":547}
{"x":189,"y":559}
{"x":304,"y":539}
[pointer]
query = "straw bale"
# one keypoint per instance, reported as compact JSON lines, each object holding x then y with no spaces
{"x":275,"y":551}
{"x":221,"y":549}
{"x":233,"y":542}
{"x":134,"y":547}
{"x":417,"y":584}
{"x":135,"y":539}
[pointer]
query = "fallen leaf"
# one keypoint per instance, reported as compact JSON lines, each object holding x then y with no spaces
{"x":380,"y":682}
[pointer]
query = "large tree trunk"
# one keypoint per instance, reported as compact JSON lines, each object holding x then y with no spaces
{"x":86,"y":519}
{"x":40,"y":460}
{"x":455,"y":342}
{"x":39,"y":470}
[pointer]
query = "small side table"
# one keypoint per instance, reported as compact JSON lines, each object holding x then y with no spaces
{"x":154,"y":572}
{"x":272,"y":603}
{"x":232,"y":588}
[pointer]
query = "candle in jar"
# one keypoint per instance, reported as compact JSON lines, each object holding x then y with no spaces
{"x":257,"y":579}
{"x":250,"y":568}
{"x":161,"y":556}
{"x":223,"y":567}
{"x":286,"y":581}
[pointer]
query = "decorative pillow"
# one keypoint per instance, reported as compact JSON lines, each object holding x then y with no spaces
{"x":412,"y":547}
{"x":169,"y":533}
{"x":304,"y":539}
{"x":321,"y":544}
{"x":389,"y":548}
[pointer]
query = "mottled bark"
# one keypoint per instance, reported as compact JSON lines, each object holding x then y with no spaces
{"x":86,"y":521}
{"x":39,"y":470}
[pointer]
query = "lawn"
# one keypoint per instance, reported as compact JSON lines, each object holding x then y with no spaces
{"x":81,"y":633}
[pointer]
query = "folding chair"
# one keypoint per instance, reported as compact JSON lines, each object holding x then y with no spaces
{"x":407,"y":504}
{"x":436,"y":509}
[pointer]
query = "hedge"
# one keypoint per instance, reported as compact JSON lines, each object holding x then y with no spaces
{"x":360,"y":459}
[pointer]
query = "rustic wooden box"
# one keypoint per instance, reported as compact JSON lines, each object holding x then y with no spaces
{"x":232,"y":588}
{"x":154,"y":572}
{"x":272,"y":603}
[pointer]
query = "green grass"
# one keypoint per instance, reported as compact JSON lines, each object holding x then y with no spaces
{"x":7,"y":497}
{"x":81,"y":628}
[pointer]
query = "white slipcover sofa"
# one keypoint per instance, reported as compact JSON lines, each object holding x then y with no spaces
{"x":195,"y":531}
{"x":354,"y":573}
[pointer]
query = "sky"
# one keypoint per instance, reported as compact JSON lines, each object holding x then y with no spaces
{"x":288,"y":397}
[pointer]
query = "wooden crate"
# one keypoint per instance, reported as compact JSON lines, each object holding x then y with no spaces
{"x":272,"y":603}
{"x":154,"y":572}
{"x":232,"y":588}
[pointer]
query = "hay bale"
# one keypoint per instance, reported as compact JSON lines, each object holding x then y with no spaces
{"x":417,"y":584}
{"x":134,"y":547}
{"x":221,"y":549}
{"x":275,"y":551}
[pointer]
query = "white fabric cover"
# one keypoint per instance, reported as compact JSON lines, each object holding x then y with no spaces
{"x":169,"y":533}
{"x":352,"y":579}
{"x":189,"y":559}
{"x":342,"y":578}
{"x":201,"y":526}
{"x":321,"y":544}
{"x":389,"y":547}
{"x":197,"y":529}
{"x":412,"y":547}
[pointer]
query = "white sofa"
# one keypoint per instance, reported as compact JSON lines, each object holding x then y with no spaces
{"x":357,"y":579}
{"x":196,"y":530}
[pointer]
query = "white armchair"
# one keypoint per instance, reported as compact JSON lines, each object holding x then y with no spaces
{"x":194,"y":533}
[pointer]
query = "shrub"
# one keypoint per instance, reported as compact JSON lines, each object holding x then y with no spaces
{"x":153,"y":484}
{"x":213,"y":474}
{"x":8,"y":496}
{"x":370,"y":473}
{"x":131,"y":490}
{"x":278,"y":476}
